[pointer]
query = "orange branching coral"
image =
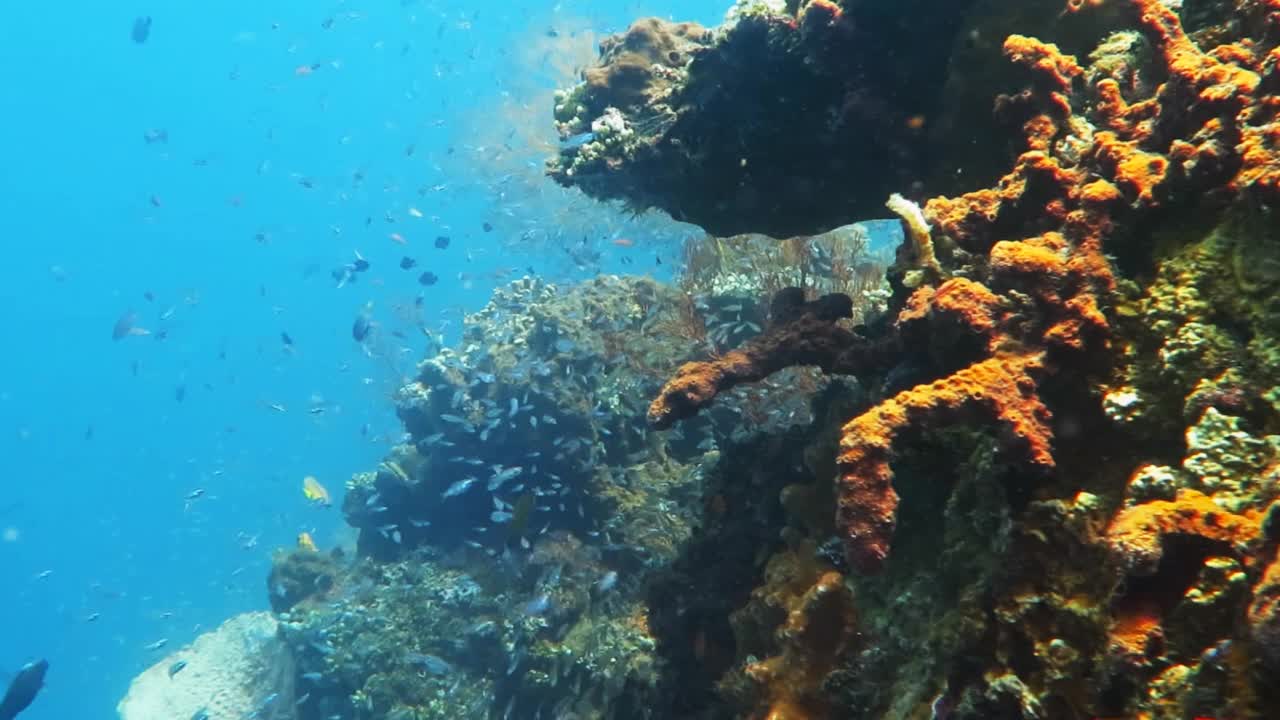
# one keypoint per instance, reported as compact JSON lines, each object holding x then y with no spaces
{"x":1002,"y":389}
{"x":959,"y":305}
{"x":1136,"y":534}
{"x":1213,"y":122}
{"x":1030,"y":300}
{"x":1056,"y":70}
{"x":819,"y":629}
{"x":1067,"y":185}
{"x":799,"y":333}
{"x":1134,"y":169}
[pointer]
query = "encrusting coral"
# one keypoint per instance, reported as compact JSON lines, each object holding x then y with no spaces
{"x":765,"y":124}
{"x":1002,"y":389}
{"x":820,"y":628}
{"x":1137,"y":534}
{"x":1122,"y":269}
{"x":1035,"y":304}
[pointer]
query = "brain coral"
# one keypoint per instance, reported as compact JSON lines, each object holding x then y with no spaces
{"x":229,"y":673}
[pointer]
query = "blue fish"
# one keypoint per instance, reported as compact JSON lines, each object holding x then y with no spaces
{"x":141,"y":29}
{"x":576,"y":141}
{"x":23,"y":689}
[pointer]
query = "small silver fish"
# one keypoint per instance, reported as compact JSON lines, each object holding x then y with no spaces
{"x":573,"y":142}
{"x":607,"y":583}
{"x":126,"y":326}
{"x":501,"y":476}
{"x":538,"y":605}
{"x":459,"y":487}
{"x":430,"y":664}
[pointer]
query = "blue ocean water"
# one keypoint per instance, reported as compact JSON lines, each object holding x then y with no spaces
{"x":294,"y":132}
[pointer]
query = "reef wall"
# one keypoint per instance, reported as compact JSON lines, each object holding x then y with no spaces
{"x":778,"y":122}
{"x":1088,"y":345}
{"x":1030,"y":472}
{"x":507,"y":548}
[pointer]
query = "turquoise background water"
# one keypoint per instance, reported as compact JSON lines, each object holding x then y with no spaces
{"x":104,"y":556}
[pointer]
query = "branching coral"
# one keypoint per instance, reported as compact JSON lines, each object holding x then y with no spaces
{"x":799,"y":333}
{"x":1000,"y":389}
{"x":1031,"y":252}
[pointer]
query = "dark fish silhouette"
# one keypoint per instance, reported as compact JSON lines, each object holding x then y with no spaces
{"x":126,"y":326}
{"x":142,"y":29}
{"x":361,"y":327}
{"x":24,"y":688}
{"x":428,"y":278}
{"x":442,"y":242}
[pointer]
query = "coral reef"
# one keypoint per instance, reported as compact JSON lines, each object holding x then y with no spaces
{"x":505,"y":544}
{"x":420,"y":638}
{"x":1102,"y":314}
{"x":298,"y":575}
{"x":1044,"y":291}
{"x":823,"y":129}
{"x":530,"y":409}
{"x":240,"y":670}
{"x":800,"y":332}
{"x":1031,"y":471}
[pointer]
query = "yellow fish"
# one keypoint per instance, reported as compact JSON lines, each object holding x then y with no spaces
{"x":306,"y":543}
{"x":315,"y":492}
